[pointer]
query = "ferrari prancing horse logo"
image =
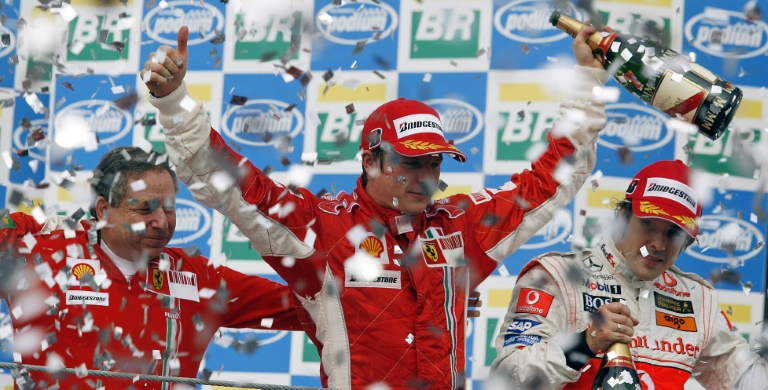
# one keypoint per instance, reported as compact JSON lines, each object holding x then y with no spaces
{"x":431,"y":251}
{"x":157,"y":278}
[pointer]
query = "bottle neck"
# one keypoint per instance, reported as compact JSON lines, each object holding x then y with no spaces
{"x":618,"y":354}
{"x":572,"y":26}
{"x":619,"y":349}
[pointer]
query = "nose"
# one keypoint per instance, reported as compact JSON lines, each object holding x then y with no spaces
{"x":658,"y":241}
{"x":158,"y":219}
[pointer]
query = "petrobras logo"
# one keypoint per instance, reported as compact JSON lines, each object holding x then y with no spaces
{"x":7,"y":49}
{"x":528,"y":21}
{"x":250,"y":123}
{"x":263,"y":336}
{"x":353,"y":22}
{"x":727,"y":34}
{"x":461,"y":121}
{"x":202,"y":19}
{"x":20,"y":135}
{"x":192,"y":220}
{"x":103,"y":117}
{"x":722,"y":238}
{"x":554,"y":232}
{"x":640,"y":128}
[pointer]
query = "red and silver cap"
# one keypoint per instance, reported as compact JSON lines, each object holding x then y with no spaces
{"x":413,"y":128}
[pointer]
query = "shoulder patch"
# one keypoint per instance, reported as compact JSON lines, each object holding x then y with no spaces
{"x":534,"y":301}
{"x":7,"y":223}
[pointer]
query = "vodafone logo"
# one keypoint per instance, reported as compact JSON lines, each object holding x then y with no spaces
{"x":668,"y":280}
{"x":533,"y":302}
{"x":532,"y":297}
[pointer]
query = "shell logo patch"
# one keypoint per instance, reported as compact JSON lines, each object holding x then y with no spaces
{"x":82,"y":269}
{"x":372,"y":246}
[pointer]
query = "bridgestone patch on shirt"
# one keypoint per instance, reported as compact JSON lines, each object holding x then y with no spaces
{"x":386,"y":279}
{"x":79,"y":297}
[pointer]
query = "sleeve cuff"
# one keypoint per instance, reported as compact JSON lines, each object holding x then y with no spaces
{"x":579,"y":354}
{"x":171,"y":111}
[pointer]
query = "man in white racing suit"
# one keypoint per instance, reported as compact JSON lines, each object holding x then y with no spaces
{"x":626,"y":289}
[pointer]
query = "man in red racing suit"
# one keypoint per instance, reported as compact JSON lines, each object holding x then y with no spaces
{"x":383,"y":272}
{"x":73,"y":305}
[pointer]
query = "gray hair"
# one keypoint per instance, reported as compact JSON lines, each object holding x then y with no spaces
{"x":110,"y":178}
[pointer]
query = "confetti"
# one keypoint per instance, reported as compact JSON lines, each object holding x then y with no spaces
{"x":359,"y":46}
{"x":644,"y":251}
{"x":138,"y":227}
{"x":188,"y":104}
{"x":350,"y":108}
{"x":238,"y":100}
{"x":138,"y":185}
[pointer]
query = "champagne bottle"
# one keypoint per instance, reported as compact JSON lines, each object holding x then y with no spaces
{"x":617,"y":371}
{"x":663,"y":78}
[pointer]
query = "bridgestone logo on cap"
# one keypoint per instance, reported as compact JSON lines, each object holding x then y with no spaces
{"x":416,"y":124}
{"x":673,"y":190}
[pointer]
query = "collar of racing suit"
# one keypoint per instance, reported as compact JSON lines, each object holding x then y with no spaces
{"x":113,"y":271}
{"x":393,"y":220}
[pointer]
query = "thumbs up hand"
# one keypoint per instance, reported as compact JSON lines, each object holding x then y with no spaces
{"x":165,"y":69}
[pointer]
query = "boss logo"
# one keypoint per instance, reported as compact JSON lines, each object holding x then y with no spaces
{"x":592,"y":303}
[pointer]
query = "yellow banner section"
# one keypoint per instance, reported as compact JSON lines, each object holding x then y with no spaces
{"x":498,"y":297}
{"x":363,"y":93}
{"x":597,"y":199}
{"x":737,"y":312}
{"x":452,"y":190}
{"x":201,"y":92}
{"x":23,"y":208}
{"x":81,"y":189}
{"x":750,"y":109}
{"x":526,"y":92}
{"x":655,"y":3}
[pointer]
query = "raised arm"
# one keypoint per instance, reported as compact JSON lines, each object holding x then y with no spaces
{"x":276,"y":220}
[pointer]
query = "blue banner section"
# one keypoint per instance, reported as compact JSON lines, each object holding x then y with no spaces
{"x":30,"y":133}
{"x":634,"y":136}
{"x":359,"y":35}
{"x":459,"y":98}
{"x":267,"y":127}
{"x":9,"y":35}
{"x":193,"y":223}
{"x":730,"y":39}
{"x":731,"y":238}
{"x":523,"y":37}
{"x":93,"y":118}
{"x":206,"y":24}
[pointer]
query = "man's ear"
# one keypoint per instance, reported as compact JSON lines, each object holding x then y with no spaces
{"x":368,"y":161}
{"x":101,"y":208}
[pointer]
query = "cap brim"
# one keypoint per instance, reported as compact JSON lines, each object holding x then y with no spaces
{"x":422,"y":148}
{"x":665,"y":211}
